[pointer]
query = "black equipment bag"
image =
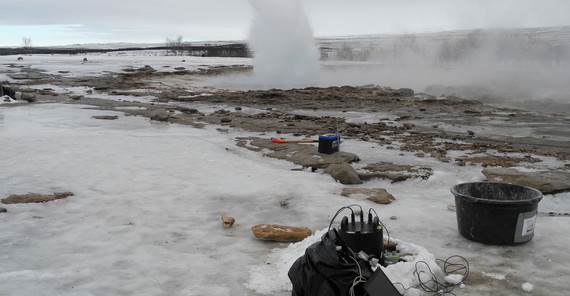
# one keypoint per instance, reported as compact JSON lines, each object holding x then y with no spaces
{"x":324,"y":271}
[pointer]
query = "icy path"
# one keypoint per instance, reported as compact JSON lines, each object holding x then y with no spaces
{"x":145,"y":217}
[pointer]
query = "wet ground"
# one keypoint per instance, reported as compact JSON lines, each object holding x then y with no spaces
{"x":428,"y":125}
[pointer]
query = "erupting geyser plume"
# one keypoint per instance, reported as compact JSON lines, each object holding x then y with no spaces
{"x":282,"y":42}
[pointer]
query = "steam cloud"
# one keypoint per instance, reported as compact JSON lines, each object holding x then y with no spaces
{"x":526,"y":68}
{"x":520,"y":67}
{"x":282,"y":42}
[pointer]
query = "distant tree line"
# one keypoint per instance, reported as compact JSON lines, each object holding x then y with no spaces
{"x":206,"y":50}
{"x":236,"y":50}
{"x":178,"y":47}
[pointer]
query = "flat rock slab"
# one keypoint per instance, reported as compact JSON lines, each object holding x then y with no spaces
{"x":377,"y":195}
{"x":34,"y":197}
{"x":306,"y":155}
{"x":280,"y":233}
{"x":548,"y":182}
{"x":394,"y":172}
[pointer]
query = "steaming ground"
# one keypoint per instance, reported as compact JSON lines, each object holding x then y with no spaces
{"x":525,"y":68}
{"x":538,"y":90}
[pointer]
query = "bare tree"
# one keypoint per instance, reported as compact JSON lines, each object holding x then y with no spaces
{"x":175,"y":46}
{"x":27,"y":43}
{"x":346,"y":52}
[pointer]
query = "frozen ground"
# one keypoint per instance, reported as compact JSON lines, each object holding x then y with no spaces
{"x":148,"y":196}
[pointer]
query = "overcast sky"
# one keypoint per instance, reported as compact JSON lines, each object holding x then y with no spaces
{"x":64,"y":22}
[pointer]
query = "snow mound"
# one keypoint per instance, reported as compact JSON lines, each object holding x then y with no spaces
{"x":270,"y":276}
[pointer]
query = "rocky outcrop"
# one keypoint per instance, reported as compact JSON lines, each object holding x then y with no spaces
{"x":377,"y":195}
{"x":280,"y":233}
{"x":34,"y":197}
{"x":548,"y":182}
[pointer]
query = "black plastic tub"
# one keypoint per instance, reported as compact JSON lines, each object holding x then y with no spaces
{"x":496,"y":213}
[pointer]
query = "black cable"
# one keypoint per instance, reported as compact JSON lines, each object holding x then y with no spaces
{"x":432,"y":285}
{"x":403,"y":287}
{"x":461,"y":268}
{"x":340,"y":210}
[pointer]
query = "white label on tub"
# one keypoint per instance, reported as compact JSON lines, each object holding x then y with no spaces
{"x":528,"y":225}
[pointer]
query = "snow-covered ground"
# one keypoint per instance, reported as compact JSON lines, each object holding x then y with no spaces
{"x":94,"y":64}
{"x":148,"y":196}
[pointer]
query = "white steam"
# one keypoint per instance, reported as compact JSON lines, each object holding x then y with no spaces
{"x":282,"y":42}
{"x":527,"y":67}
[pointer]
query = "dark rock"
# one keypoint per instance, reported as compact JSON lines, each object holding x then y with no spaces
{"x":404,"y":92}
{"x":3,"y":210}
{"x":106,"y":117}
{"x":548,"y":182}
{"x":34,"y":197}
{"x":7,"y":91}
{"x":344,"y":173}
{"x":147,"y":69}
